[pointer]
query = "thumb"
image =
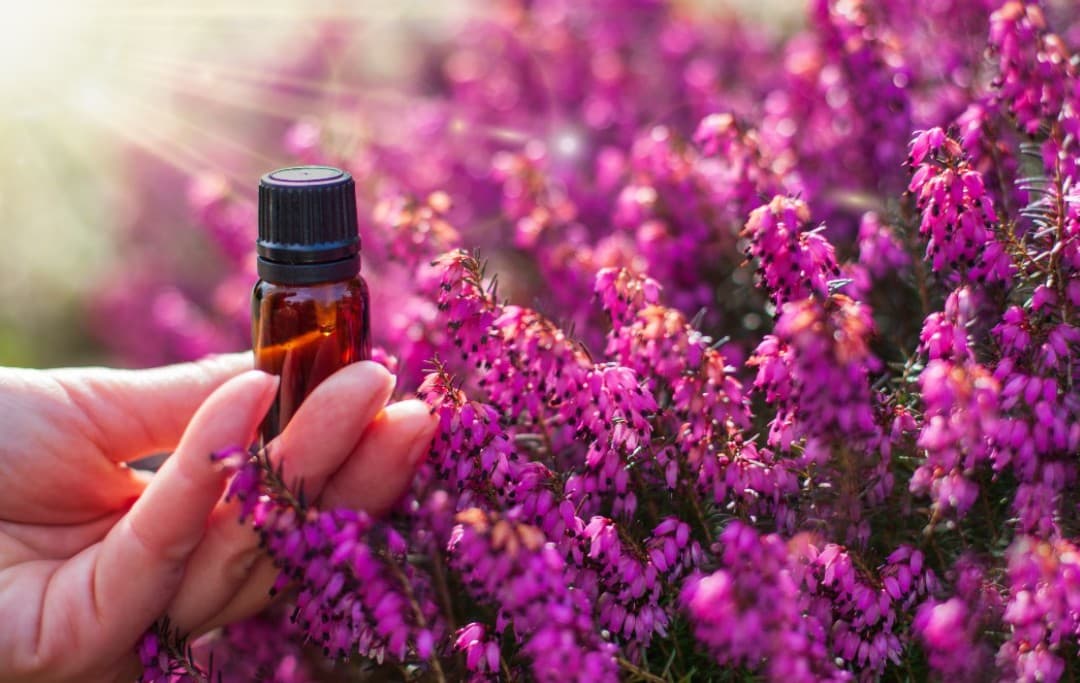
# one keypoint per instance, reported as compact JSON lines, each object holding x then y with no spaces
{"x":132,"y":413}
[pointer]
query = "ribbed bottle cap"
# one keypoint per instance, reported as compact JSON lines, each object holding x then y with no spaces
{"x":307,"y":225}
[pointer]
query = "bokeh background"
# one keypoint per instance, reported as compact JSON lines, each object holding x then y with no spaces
{"x":118,"y":116}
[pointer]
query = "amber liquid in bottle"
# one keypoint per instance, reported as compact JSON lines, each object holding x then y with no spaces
{"x":304,"y":334}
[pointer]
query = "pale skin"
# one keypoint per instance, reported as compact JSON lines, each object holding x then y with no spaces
{"x":93,"y":552}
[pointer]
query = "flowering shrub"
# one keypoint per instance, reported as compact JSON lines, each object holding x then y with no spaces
{"x":784,"y":385}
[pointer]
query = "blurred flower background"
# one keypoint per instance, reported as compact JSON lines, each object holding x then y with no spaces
{"x":770,"y":373}
{"x":116,"y":113}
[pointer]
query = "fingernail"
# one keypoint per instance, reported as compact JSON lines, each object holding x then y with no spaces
{"x":377,"y":399}
{"x":267,"y":382}
{"x":263,"y":373}
{"x":256,"y":380}
{"x":424,"y":425}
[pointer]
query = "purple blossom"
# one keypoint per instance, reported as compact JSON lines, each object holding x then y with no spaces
{"x":880,"y":250}
{"x":749,"y":612}
{"x":512,"y":566}
{"x":709,"y":405}
{"x":481,"y":653}
{"x":793,"y":262}
{"x":1041,"y":611}
{"x":160,"y":665}
{"x":354,"y":594}
{"x":815,"y":368}
{"x":960,"y":415}
{"x":950,"y":635}
{"x":267,"y":647}
{"x":869,"y":87}
{"x":958,"y":215}
{"x":862,"y":610}
{"x":1035,"y":65}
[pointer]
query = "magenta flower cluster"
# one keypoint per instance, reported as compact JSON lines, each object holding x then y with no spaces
{"x":754,"y":352}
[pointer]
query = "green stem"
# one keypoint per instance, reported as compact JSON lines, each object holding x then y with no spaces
{"x":444,"y":590}
{"x":630,"y":667}
{"x":692,"y":496}
{"x":418,"y":614}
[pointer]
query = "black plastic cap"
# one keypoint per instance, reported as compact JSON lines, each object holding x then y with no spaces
{"x":307,"y":225}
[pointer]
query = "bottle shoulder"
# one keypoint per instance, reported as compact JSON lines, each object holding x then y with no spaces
{"x":341,"y":289}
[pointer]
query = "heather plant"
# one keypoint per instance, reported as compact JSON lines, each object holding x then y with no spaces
{"x":753,"y":355}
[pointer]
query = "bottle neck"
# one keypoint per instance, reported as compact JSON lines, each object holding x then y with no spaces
{"x":308,"y":273}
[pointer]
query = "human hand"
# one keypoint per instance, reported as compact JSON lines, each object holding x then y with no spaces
{"x":93,"y":552}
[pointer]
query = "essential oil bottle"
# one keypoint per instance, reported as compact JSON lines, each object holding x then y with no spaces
{"x":309,"y":310}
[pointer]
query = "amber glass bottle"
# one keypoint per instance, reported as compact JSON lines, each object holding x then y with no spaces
{"x":309,"y":310}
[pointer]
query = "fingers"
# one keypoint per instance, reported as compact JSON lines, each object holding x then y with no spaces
{"x":132,"y":413}
{"x":324,"y":432}
{"x":115,"y":590}
{"x":373,"y":478}
{"x":329,"y":424}
{"x":382,"y":466}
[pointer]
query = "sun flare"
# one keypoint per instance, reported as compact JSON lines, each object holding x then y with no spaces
{"x":89,"y":86}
